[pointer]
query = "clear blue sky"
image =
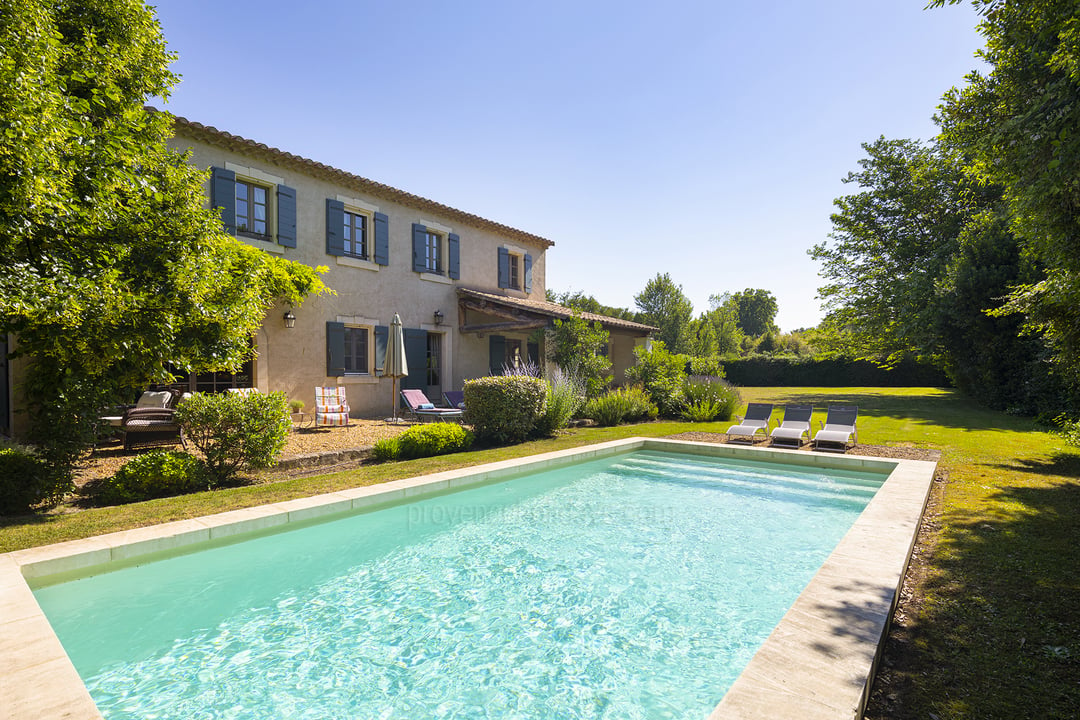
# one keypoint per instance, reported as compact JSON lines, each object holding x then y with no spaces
{"x":702,"y":139}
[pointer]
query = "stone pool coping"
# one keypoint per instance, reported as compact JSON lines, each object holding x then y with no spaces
{"x":817,"y":663}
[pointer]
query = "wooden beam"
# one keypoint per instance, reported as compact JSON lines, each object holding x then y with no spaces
{"x":482,"y":328}
{"x":497,"y":310}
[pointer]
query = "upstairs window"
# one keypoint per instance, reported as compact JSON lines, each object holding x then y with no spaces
{"x":436,"y":251}
{"x":254,"y":204}
{"x":252,"y":209}
{"x":355,"y":235}
{"x":515,"y":269}
{"x":432,"y":253}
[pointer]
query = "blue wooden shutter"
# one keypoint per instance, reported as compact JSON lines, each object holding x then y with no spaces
{"x":453,"y":244}
{"x":527,"y":260}
{"x":335,"y":227}
{"x":382,"y":239}
{"x":286,"y":216}
{"x":533,"y":350}
{"x":382,"y":334}
{"x":496,"y":354}
{"x":419,"y":239}
{"x":504,"y":268}
{"x":416,"y":357}
{"x":335,"y":349}
{"x":223,"y":195}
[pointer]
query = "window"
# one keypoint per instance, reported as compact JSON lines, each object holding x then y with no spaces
{"x":434,"y":359}
{"x":355,"y":235}
{"x":356,"y":351}
{"x":432,"y":253}
{"x":515,"y":269}
{"x":436,"y":251}
{"x":254,"y":204}
{"x":252,"y":209}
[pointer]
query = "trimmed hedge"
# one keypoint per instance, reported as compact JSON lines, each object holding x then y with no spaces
{"x":421,"y":441}
{"x":839,"y":372}
{"x":504,"y":409}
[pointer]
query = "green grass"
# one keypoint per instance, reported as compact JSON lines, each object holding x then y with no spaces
{"x":994,"y":634}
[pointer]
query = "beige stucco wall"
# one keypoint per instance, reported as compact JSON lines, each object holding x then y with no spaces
{"x":294,"y":360}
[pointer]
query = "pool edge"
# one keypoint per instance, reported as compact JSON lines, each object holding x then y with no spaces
{"x":37,"y":679}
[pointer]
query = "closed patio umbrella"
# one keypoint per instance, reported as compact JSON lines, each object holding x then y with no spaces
{"x":395,"y":365}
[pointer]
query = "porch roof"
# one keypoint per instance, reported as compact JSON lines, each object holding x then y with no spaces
{"x":526,"y":314}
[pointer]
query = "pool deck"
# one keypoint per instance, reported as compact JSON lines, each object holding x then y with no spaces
{"x":817,"y":663}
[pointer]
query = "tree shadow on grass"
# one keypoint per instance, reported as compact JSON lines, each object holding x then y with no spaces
{"x":947,"y":409}
{"x":1061,"y":464}
{"x":995,"y":633}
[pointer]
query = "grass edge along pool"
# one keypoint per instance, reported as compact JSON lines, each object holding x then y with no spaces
{"x":816,"y":663}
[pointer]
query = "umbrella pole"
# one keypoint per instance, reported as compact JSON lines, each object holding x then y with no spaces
{"x":393,"y":396}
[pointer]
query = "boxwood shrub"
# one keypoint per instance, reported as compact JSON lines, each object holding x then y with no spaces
{"x":424,"y":441}
{"x":155,"y":474}
{"x":504,"y":409}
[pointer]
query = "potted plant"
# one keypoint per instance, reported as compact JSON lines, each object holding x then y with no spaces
{"x":296,"y":408}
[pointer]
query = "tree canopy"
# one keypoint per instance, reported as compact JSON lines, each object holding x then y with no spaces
{"x":663,"y":305}
{"x":1018,"y":126}
{"x":112,"y":265}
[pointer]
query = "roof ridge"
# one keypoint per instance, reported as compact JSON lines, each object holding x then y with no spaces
{"x":213,"y":135}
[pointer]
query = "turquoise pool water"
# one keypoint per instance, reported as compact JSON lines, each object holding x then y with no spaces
{"x":637,"y":586}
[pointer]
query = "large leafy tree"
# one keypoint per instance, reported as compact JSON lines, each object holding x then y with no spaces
{"x":756,"y":311}
{"x":1019,"y":127}
{"x":892,"y":240}
{"x":919,"y":256}
{"x":663,"y":305}
{"x":111,"y":265}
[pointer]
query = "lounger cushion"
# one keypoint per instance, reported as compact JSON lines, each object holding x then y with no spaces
{"x":154,"y":399}
{"x":833,"y":436}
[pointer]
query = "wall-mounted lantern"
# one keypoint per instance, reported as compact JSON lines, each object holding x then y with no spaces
{"x":438,"y":317}
{"x":290,"y":319}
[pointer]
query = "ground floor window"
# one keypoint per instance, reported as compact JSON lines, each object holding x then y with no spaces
{"x":356,"y":350}
{"x":211,"y":382}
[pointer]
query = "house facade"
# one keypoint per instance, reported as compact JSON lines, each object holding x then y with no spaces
{"x":470,"y":291}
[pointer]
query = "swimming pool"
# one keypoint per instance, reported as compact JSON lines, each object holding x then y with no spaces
{"x":447,"y":603}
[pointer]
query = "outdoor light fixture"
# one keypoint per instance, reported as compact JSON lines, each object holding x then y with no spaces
{"x":290,"y":319}
{"x":438,"y":317}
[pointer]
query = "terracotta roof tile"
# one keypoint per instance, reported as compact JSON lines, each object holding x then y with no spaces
{"x":213,"y":136}
{"x":552,"y":310}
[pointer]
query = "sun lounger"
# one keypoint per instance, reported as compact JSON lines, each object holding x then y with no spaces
{"x":756,"y":421}
{"x":423,"y":409}
{"x":455,"y":399}
{"x":794,"y":427}
{"x":838,"y":429}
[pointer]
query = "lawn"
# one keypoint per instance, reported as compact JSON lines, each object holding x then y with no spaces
{"x":992,"y":630}
{"x":989,"y":630}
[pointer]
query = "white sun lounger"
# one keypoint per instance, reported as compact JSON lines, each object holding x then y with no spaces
{"x":795,"y":426}
{"x":838,"y":429}
{"x":756,"y":421}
